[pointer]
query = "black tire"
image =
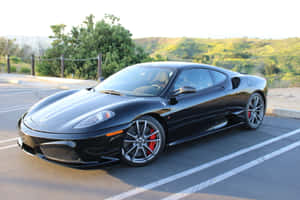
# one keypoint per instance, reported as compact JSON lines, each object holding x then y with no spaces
{"x":142,"y":147}
{"x":255,"y":111}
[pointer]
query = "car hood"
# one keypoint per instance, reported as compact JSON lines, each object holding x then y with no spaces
{"x":62,"y":115}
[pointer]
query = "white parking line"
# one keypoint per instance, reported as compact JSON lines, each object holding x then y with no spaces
{"x":4,"y":93}
{"x":8,"y":140}
{"x":13,"y":90}
{"x":16,"y":93}
{"x":15,"y":108}
{"x":199,"y":168}
{"x":231,"y":173}
{"x":8,"y":147}
{"x":25,"y":89}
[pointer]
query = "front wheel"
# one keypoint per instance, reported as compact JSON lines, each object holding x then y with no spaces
{"x":255,"y":111}
{"x":143,"y":142}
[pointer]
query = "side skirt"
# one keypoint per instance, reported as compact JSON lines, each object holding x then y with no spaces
{"x":194,"y":137}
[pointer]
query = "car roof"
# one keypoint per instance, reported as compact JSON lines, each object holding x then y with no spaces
{"x":182,"y":65}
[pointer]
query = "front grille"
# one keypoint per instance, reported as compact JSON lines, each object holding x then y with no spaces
{"x":60,"y":152}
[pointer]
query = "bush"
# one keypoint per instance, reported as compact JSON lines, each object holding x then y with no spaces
{"x":15,"y":60}
{"x":13,"y":69}
{"x":87,"y":41}
{"x":49,"y":68}
{"x":25,"y":70}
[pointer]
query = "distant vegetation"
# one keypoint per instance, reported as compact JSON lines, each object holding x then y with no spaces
{"x":18,"y":55}
{"x":84,"y":42}
{"x":16,"y":65}
{"x":9,"y":46}
{"x":277,"y":60}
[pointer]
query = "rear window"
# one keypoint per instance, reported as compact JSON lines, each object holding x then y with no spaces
{"x":218,"y":77}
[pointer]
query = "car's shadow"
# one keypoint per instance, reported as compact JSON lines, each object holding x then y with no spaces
{"x":180,"y":157}
{"x":183,"y":148}
{"x":117,"y":178}
{"x":172,"y":161}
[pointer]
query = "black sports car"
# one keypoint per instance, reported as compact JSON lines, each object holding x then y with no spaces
{"x":134,"y":114}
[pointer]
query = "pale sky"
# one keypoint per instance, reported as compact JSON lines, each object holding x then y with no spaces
{"x":164,"y":18}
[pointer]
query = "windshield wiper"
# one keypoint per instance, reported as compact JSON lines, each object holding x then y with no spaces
{"x":114,"y":92}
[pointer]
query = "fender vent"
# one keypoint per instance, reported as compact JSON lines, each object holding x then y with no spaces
{"x":235,"y":82}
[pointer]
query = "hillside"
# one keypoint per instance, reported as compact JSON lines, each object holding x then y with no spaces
{"x":277,"y":60}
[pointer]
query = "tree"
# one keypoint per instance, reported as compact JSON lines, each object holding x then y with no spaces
{"x":25,"y":51}
{"x":87,"y":40}
{"x":8,"y":46}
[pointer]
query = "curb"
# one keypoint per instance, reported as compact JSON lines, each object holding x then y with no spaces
{"x":14,"y":81}
{"x":280,"y":112}
{"x":61,"y":80}
{"x":15,"y":78}
{"x":59,"y":83}
{"x":63,"y":87}
{"x":19,"y":82}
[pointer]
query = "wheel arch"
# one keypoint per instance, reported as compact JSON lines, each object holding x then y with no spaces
{"x":160,"y":120}
{"x":263,"y":95}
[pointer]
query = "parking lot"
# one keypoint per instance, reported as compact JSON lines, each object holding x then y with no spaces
{"x":234,"y":164}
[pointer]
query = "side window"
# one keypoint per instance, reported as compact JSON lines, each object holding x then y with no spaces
{"x":219,"y":77}
{"x":196,"y":78}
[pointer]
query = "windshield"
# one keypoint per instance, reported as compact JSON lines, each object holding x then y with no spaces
{"x":137,"y":81}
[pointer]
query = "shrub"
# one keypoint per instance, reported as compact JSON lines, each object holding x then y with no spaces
{"x":15,"y":60}
{"x":25,"y":70}
{"x":13,"y":69}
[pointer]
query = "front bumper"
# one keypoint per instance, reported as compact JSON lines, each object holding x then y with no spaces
{"x":88,"y":149}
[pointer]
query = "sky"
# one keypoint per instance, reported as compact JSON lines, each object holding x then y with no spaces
{"x":158,"y":18}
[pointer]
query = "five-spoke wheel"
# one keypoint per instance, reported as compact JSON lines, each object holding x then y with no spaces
{"x":143,"y":141}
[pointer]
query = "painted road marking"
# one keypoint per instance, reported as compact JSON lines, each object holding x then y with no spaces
{"x":20,"y":92}
{"x":15,"y":108}
{"x":8,"y":140}
{"x":231,"y":173}
{"x":199,"y":168}
{"x":16,"y":93}
{"x":8,"y":147}
{"x":14,"y":90}
{"x":18,"y":89}
{"x":25,"y":89}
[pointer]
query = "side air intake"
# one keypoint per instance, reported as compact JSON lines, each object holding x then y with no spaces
{"x":235,"y":82}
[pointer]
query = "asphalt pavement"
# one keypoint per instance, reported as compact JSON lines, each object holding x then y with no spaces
{"x":233,"y":164}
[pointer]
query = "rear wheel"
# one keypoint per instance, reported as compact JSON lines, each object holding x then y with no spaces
{"x":255,"y":111}
{"x":143,"y":142}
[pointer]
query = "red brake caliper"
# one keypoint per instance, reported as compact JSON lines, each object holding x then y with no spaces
{"x":249,"y":114}
{"x":151,"y":145}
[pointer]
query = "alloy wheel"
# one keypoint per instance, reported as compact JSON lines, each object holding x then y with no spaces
{"x":255,"y":110}
{"x":142,"y":142}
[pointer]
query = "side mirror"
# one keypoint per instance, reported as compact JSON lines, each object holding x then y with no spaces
{"x":184,"y":89}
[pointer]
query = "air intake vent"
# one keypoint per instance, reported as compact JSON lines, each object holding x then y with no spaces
{"x":235,"y":82}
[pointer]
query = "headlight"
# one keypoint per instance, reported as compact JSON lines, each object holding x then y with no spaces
{"x":95,"y":119}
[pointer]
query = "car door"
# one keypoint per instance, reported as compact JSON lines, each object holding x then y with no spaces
{"x":201,"y":107}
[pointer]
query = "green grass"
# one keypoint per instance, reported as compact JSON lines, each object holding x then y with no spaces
{"x":16,"y":66}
